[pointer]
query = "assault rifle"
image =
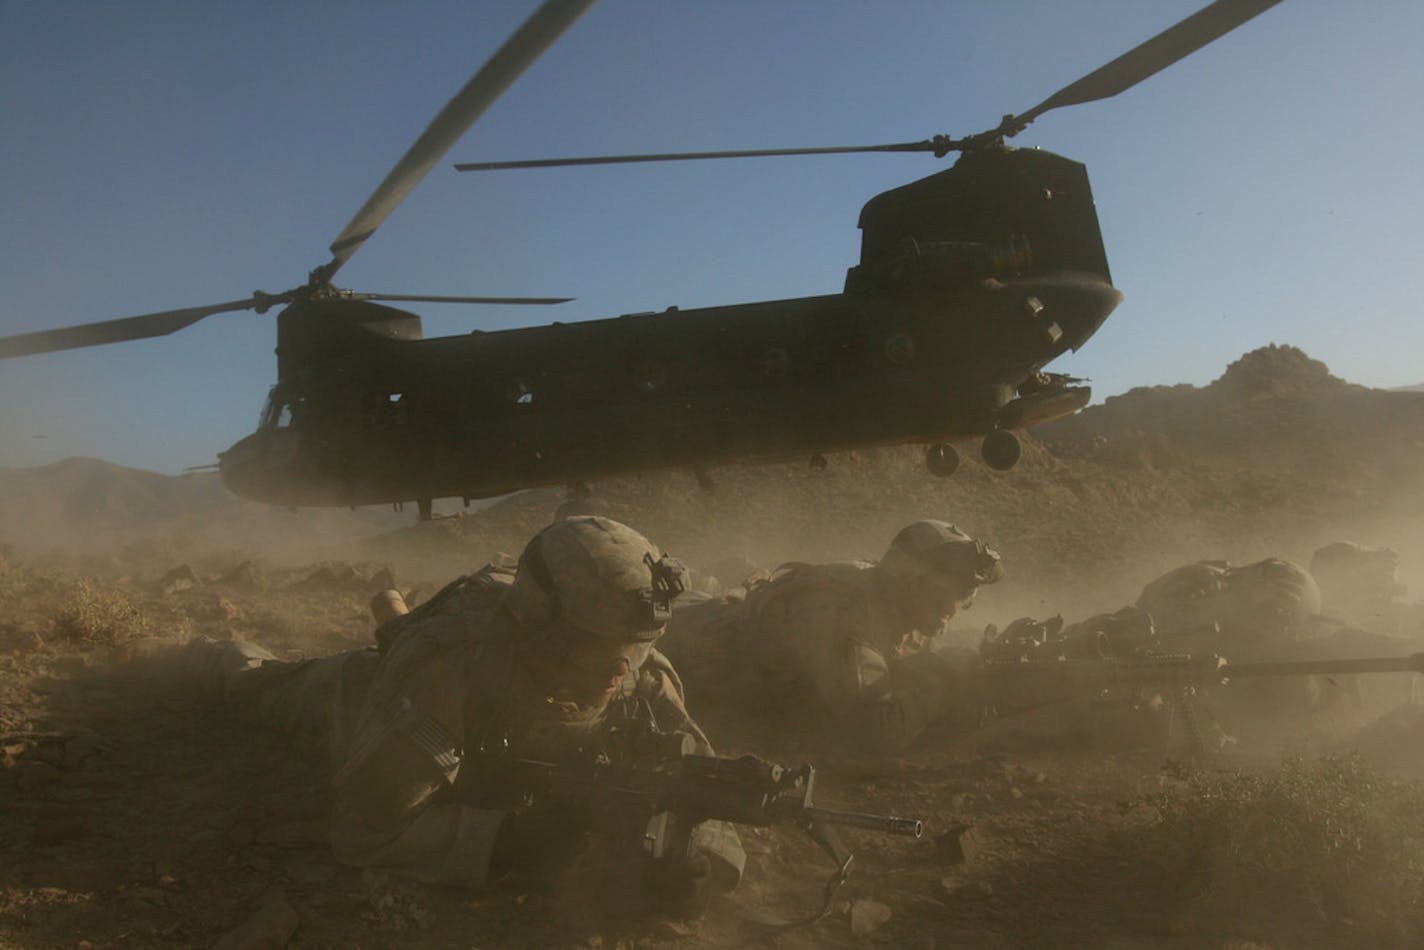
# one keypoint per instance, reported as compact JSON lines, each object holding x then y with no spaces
{"x":1011,"y":685}
{"x":653,"y":789}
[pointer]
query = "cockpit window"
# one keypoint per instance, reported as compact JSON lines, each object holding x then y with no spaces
{"x":282,"y":411}
{"x":270,"y":410}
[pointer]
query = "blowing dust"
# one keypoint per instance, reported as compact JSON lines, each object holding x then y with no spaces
{"x":1051,"y":846}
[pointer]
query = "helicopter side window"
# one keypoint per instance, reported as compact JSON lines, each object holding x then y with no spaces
{"x":385,"y":409}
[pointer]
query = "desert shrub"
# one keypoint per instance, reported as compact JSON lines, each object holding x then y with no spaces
{"x":96,"y":614}
{"x":1328,"y":846}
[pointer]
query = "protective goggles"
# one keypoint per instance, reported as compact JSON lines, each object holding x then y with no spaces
{"x":956,"y":559}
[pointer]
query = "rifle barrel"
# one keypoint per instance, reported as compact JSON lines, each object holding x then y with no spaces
{"x":885,"y":824}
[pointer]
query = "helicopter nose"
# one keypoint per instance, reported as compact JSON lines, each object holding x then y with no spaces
{"x":262,"y":467}
{"x":238,"y":466}
{"x":1069,"y":311}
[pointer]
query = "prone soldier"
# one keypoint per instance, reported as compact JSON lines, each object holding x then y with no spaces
{"x":1360,"y":585}
{"x":849,"y":644}
{"x":1269,"y":609}
{"x":491,"y":674}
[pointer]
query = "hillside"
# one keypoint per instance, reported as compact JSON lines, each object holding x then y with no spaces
{"x":1277,"y":456}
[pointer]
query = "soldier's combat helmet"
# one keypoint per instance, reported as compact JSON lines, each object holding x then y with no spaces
{"x":1347,"y":571}
{"x":598,"y":576}
{"x":939,"y":550}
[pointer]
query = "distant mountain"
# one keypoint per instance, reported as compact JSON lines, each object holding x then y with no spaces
{"x":1274,"y":410}
{"x":1416,"y":388}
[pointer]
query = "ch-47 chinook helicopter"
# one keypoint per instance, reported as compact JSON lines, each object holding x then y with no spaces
{"x":970,"y":282}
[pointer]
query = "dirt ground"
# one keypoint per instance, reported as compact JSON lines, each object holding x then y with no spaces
{"x":135,"y":811}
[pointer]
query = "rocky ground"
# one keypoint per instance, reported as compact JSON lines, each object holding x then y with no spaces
{"x":134,"y":811}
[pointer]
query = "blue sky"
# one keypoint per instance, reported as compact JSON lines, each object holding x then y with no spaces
{"x":170,"y":154}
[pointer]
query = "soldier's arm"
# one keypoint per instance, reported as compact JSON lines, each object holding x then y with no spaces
{"x":894,"y":701}
{"x":717,"y":840}
{"x":390,"y":813}
{"x":394,"y":807}
{"x":880,"y":706}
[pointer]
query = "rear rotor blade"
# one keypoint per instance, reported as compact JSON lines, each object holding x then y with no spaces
{"x":517,"y":53}
{"x":1149,"y":58}
{"x":1126,"y":71}
{"x":140,"y":327}
{"x":426,"y":298}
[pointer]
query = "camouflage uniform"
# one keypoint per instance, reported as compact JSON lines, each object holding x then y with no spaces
{"x":842,"y":637}
{"x":1266,"y":610}
{"x":417,"y":728}
{"x":1218,"y":607}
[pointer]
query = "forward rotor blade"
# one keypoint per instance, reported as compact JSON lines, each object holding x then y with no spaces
{"x":426,"y":298}
{"x":925,"y":146}
{"x":140,"y":327}
{"x":1149,"y":58}
{"x":518,"y":52}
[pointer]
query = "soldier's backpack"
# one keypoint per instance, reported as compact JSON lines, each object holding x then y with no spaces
{"x":470,"y":593}
{"x":796,"y":577}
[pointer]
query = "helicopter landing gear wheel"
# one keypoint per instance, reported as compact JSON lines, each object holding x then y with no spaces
{"x":1001,"y":450}
{"x":942,"y":459}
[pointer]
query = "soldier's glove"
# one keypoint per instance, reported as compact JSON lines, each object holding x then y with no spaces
{"x":682,"y":887}
{"x":539,"y":842}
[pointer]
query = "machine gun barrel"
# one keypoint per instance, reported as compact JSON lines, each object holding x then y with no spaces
{"x":1185,"y":669}
{"x":1024,"y":684}
{"x":885,"y":824}
{"x":1384,"y":664}
{"x":1152,"y":669}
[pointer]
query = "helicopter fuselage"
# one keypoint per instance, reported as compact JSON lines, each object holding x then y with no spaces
{"x":489,"y":413}
{"x":970,"y":281}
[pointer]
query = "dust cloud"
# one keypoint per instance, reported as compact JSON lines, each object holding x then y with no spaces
{"x":138,"y":810}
